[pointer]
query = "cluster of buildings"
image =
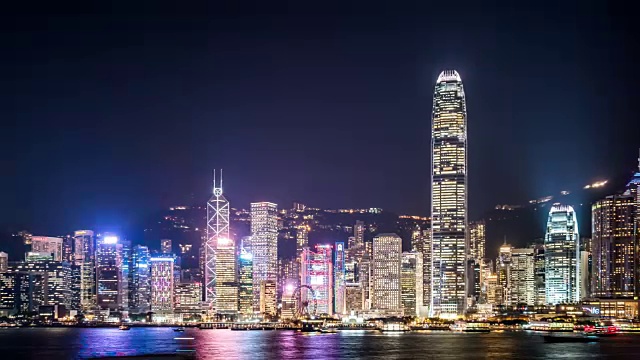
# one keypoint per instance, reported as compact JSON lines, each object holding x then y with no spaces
{"x":445,"y":271}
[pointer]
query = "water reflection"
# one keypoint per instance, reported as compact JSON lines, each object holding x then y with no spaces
{"x":226,"y":344}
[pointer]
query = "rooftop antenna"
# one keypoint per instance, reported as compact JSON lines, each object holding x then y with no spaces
{"x":214,"y":178}
{"x":220,"y":178}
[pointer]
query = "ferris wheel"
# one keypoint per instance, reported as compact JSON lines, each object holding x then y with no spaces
{"x":305,"y":302}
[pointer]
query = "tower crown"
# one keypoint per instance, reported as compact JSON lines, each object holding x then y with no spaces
{"x":448,"y":75}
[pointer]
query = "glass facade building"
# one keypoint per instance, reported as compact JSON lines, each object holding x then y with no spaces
{"x":561,"y":256}
{"x":613,"y":246}
{"x":449,"y":196}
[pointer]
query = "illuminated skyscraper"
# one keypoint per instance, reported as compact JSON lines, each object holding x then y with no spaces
{"x":423,"y":245}
{"x":411,"y":283}
{"x":503,"y":270}
{"x":84,"y":256}
{"x":227,"y":277}
{"x":245,"y":296}
{"x":217,"y":229}
{"x":47,"y":244}
{"x":140,"y":287}
{"x":162,"y":284}
{"x":268,"y":306}
{"x":165,"y":246}
{"x":449,"y":196}
{"x":109,"y":272}
{"x":339,"y":279}
{"x":385,"y":275}
{"x":613,"y":246}
{"x":477,"y":240}
{"x":187,"y":297}
{"x":264,"y":244}
{"x":561,"y":256}
{"x":522,"y":277}
{"x":317,"y":272}
{"x":302,"y":241}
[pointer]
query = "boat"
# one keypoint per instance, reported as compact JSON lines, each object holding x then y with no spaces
{"x":178,"y":329}
{"x":124,"y":327}
{"x":601,"y":330}
{"x":329,"y":330}
{"x":394,"y":327}
{"x":475,"y":327}
{"x":570,"y":339}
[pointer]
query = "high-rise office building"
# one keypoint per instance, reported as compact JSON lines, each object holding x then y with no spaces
{"x":245,"y":290}
{"x":613,"y":247}
{"x":503,"y":270}
{"x":339,"y":280}
{"x":166,"y":246}
{"x":539,"y":274}
{"x":562,"y":265}
{"x":67,"y":249}
{"x":76,"y":286}
{"x":268,"y":305}
{"x":84,"y":256}
{"x":162,"y":284}
{"x":449,"y":196}
{"x":385,"y":275}
{"x":317,"y":272}
{"x":353,"y":298}
{"x":140,"y":286}
{"x":217,"y":231}
{"x":47,"y":244}
{"x":477,"y":240}
{"x":302,"y":242}
{"x":227,"y":277}
{"x":411,"y":283}
{"x":423,"y":245}
{"x":187,"y":297}
{"x":264,"y":244}
{"x":522,"y":277}
{"x":109,"y":272}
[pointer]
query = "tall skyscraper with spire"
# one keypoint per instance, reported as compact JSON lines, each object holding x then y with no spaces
{"x":217,"y":231}
{"x":449,"y":196}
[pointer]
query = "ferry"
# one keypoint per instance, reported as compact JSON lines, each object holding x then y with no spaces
{"x":178,"y":329}
{"x":605,"y":329}
{"x":394,"y":327}
{"x":550,"y":326}
{"x":463,"y":326}
{"x":124,"y":327}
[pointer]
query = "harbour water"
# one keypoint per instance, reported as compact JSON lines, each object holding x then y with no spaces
{"x":77,"y":343}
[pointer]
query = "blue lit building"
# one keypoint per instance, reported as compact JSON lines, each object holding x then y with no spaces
{"x":339,"y":271}
{"x":139,"y":286}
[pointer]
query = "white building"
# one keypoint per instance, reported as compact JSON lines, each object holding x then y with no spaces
{"x":162,"y":284}
{"x":385,"y":277}
{"x":449,"y":197}
{"x":264,"y":245}
{"x":522,"y":280}
{"x":561,"y":256}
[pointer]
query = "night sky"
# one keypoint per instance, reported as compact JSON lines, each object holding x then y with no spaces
{"x":111,"y":112}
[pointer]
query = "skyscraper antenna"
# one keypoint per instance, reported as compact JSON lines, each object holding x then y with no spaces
{"x":214,"y":178}
{"x":639,"y":159}
{"x":220,"y":178}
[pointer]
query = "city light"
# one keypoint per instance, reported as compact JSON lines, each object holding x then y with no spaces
{"x":596,"y":184}
{"x":110,"y":239}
